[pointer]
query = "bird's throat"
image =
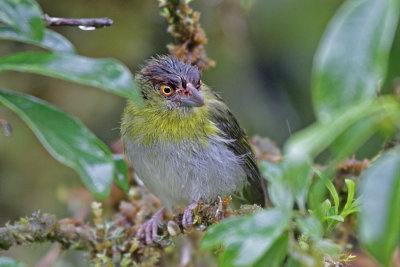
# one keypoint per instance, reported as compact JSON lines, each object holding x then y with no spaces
{"x":157,"y":124}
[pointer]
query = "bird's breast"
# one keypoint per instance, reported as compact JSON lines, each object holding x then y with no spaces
{"x":184,"y":172}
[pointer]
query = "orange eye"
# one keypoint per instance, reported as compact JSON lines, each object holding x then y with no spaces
{"x":166,"y":90}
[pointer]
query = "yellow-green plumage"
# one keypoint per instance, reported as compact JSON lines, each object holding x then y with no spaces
{"x":156,"y":123}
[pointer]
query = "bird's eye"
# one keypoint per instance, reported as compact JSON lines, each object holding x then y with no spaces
{"x":166,"y":90}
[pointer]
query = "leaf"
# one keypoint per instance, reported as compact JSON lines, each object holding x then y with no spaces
{"x":276,"y":254}
{"x":351,"y":61}
{"x":25,"y":16}
{"x":353,"y":138}
{"x":279,"y":190}
{"x":338,"y":218}
{"x":8,"y":262}
{"x":379,"y":224}
{"x":297,"y":172}
{"x":107,"y":74}
{"x":66,"y":139}
{"x":350,"y":206}
{"x":292,"y":263}
{"x":316,"y":138}
{"x":328,"y":183}
{"x":328,"y":248}
{"x":247,"y":238}
{"x":310,"y":226}
{"x":121,"y":175}
{"x":51,"y":40}
{"x":307,"y":144}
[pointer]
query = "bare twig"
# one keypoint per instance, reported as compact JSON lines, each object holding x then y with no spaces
{"x":83,"y":23}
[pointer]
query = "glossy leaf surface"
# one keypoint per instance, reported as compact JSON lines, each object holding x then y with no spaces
{"x":121,"y":175}
{"x":276,"y":254}
{"x":246,"y":238}
{"x":107,"y":74}
{"x":66,"y":139}
{"x":279,"y":190}
{"x":320,"y":135}
{"x":51,"y":39}
{"x":25,"y":16}
{"x":351,"y":61}
{"x":379,"y":226}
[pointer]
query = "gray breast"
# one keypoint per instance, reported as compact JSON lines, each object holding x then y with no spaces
{"x":180,"y":174}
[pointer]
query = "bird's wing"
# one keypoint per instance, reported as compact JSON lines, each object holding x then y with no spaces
{"x":254,"y":192}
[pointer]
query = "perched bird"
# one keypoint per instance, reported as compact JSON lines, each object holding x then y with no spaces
{"x":185,"y":144}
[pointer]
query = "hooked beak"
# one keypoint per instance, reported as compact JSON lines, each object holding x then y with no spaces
{"x":193,"y":100}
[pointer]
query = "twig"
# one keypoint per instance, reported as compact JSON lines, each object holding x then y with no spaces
{"x":189,"y":37}
{"x":84,"y":23}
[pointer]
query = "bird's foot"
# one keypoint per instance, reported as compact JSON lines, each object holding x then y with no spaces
{"x":187,"y":219}
{"x":148,"y":230}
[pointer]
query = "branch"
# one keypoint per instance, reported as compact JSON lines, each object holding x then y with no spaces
{"x":84,"y":23}
{"x":113,"y":241}
{"x":188,"y":35}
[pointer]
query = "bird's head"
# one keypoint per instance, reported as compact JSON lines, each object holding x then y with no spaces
{"x":168,"y":81}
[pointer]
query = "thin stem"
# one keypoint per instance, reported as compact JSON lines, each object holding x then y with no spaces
{"x":83,"y":22}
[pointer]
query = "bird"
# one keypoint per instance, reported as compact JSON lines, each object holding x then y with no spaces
{"x":184,"y":143}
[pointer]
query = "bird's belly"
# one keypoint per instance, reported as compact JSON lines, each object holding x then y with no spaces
{"x":184,"y":173}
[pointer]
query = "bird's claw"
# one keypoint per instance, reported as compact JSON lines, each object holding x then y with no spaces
{"x":149,"y":229}
{"x":187,"y":219}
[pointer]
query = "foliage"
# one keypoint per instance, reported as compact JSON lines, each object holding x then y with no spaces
{"x":349,"y":68}
{"x":309,"y":208}
{"x":61,"y":134}
{"x":7,"y":262}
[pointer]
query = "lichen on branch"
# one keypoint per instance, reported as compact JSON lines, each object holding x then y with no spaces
{"x":111,"y":241}
{"x":188,"y":36}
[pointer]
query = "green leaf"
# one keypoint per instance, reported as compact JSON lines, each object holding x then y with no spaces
{"x":66,"y":139}
{"x":328,"y":183}
{"x":276,"y":254}
{"x":316,"y":138}
{"x":351,"y":61}
{"x":353,"y":138}
{"x":279,"y":190}
{"x":247,"y":238}
{"x":326,"y":207}
{"x":51,"y":40}
{"x":310,"y":226}
{"x":379,"y":226}
{"x":25,"y":16}
{"x":329,"y":248}
{"x":121,"y":173}
{"x":350,"y":206}
{"x":8,"y":262}
{"x":292,"y":263}
{"x":297,"y":172}
{"x":310,"y":142}
{"x":338,"y":218}
{"x":107,"y":74}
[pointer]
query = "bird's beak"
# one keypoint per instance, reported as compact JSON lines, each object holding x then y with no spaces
{"x":193,"y":100}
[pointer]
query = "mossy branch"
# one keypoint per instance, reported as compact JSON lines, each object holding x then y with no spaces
{"x":188,"y":36}
{"x":113,"y":241}
{"x":45,"y":228}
